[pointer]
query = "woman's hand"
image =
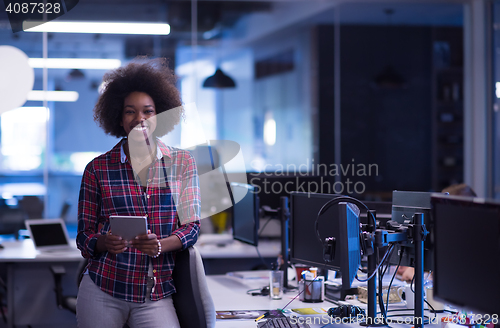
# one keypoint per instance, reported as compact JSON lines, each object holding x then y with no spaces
{"x":114,"y":244}
{"x":147,"y":243}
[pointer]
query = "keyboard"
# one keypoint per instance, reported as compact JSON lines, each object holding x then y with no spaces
{"x":284,"y":322}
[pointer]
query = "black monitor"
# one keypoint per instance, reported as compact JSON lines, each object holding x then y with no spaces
{"x":341,"y":222}
{"x":383,"y":212}
{"x":404,"y":205}
{"x":271,"y":187}
{"x":467,"y":252}
{"x":350,"y":258}
{"x":245,"y":214}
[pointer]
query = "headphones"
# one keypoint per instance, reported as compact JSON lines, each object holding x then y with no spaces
{"x":345,"y":311}
{"x":329,"y":244}
{"x":259,"y":292}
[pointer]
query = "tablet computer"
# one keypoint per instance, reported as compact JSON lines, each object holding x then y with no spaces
{"x":128,"y":227}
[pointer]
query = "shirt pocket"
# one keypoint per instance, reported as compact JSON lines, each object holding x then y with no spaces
{"x":118,"y":197}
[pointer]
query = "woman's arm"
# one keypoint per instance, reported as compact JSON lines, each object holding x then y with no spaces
{"x":189,"y":207}
{"x":89,"y":240}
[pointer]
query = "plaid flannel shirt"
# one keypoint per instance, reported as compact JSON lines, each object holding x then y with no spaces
{"x":109,"y":187}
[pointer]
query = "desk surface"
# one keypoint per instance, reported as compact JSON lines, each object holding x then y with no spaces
{"x":230,"y":294}
{"x":24,"y":251}
{"x":219,"y":246}
{"x":209,"y":247}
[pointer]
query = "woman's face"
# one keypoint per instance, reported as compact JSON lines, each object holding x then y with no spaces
{"x":138,"y":117}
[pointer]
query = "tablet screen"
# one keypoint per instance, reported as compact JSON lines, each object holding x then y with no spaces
{"x":128,"y":227}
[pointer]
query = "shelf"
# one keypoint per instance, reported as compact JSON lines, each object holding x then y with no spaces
{"x":447,"y":107}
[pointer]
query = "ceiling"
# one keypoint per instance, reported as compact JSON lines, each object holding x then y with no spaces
{"x":243,"y":21}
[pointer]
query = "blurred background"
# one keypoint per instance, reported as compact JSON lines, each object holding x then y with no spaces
{"x":390,"y":95}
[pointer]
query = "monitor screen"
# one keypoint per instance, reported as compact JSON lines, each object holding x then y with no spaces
{"x":404,"y":205}
{"x":340,"y":222}
{"x":245,"y":214}
{"x":48,"y":234}
{"x":350,"y":259}
{"x":467,"y":252}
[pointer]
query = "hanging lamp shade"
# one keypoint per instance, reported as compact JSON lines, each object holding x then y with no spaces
{"x":389,"y":78}
{"x":219,"y":80}
{"x":75,"y":74}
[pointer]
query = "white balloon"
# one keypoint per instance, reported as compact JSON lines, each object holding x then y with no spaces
{"x":16,"y":78}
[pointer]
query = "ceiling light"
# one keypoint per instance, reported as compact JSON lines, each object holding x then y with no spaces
{"x":219,"y":80}
{"x":39,"y":95}
{"x":269,"y":130}
{"x":79,"y":63}
{"x":97,"y":27}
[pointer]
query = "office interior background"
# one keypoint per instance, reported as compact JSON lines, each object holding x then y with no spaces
{"x":406,"y":88}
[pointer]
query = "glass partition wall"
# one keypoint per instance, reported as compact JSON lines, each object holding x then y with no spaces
{"x":495,"y":54}
{"x":366,"y":95}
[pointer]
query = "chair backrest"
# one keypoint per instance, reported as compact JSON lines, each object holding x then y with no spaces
{"x":192,"y":301}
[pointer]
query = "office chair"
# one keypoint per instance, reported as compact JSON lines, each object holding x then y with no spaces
{"x":11,"y":221}
{"x":67,"y":302}
{"x":32,"y":206}
{"x":192,"y":301}
{"x":193,"y":304}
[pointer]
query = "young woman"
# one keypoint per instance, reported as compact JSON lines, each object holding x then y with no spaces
{"x":130,"y":281}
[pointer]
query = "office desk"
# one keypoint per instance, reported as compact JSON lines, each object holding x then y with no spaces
{"x":221,"y":254}
{"x":31,"y":299}
{"x":229,"y":294}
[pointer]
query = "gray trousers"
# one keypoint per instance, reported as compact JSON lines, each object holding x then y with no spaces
{"x":95,"y":308}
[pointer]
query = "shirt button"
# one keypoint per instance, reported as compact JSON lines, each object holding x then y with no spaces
{"x":149,"y":180}
{"x":147,"y":196}
{"x":154,"y":271}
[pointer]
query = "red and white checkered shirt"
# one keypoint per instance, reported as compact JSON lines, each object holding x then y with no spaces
{"x":109,"y":187}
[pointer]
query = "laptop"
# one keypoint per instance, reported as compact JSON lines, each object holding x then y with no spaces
{"x":49,"y":235}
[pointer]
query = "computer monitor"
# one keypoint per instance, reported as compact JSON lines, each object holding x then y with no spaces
{"x":245,"y":214}
{"x":467,"y":252}
{"x":404,"y":205}
{"x":350,"y":258}
{"x":383,"y":212}
{"x":341,"y":222}
{"x":271,"y":187}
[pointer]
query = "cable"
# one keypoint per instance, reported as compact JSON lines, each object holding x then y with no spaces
{"x":2,"y":309}
{"x":381,"y":296}
{"x":261,"y":258}
{"x":394,"y":275}
{"x":293,"y":299}
{"x":378,"y":266}
{"x":265,"y":224}
{"x":413,"y":291}
{"x":317,"y":276}
{"x":4,"y":285}
{"x":383,"y":308}
{"x":260,"y":232}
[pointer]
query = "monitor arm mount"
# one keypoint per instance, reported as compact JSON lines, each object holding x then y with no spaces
{"x":283,"y":215}
{"x":373,"y":239}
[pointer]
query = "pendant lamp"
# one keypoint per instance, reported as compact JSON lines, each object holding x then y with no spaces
{"x":219,"y":80}
{"x":389,"y":78}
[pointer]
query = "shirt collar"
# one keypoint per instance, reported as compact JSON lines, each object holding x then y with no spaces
{"x":123,"y":156}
